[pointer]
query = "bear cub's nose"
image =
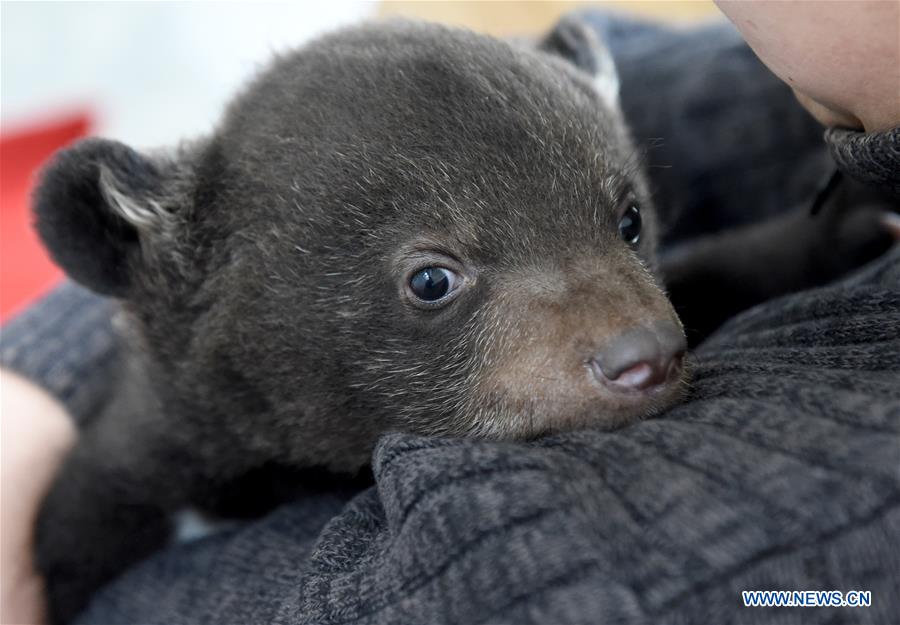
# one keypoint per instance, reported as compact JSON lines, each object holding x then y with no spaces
{"x":641,"y":358}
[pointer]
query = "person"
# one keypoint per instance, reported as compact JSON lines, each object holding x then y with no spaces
{"x":840,"y":60}
{"x":36,"y":433}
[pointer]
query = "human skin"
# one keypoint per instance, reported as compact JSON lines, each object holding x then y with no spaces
{"x":36,"y":434}
{"x":842,"y":58}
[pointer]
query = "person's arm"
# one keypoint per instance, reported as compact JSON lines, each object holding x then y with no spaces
{"x":36,"y":434}
{"x":840,"y":58}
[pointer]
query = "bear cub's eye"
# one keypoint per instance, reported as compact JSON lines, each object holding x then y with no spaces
{"x":433,"y":284}
{"x":630,"y":225}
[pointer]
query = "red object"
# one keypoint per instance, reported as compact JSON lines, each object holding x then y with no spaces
{"x":26,"y":271}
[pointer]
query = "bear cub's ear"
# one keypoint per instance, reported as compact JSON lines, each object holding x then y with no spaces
{"x":576,"y":42}
{"x":95,"y":204}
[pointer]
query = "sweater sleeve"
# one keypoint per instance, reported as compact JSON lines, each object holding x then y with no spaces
{"x":66,"y":344}
{"x":870,"y":158}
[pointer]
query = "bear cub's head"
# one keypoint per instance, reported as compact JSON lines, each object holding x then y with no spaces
{"x":400,"y":226}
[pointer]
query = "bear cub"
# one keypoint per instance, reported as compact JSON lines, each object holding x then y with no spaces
{"x":400,"y":226}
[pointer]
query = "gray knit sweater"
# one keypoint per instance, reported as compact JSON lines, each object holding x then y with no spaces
{"x":779,"y":472}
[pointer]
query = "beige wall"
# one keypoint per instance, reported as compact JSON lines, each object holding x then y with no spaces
{"x":516,"y":18}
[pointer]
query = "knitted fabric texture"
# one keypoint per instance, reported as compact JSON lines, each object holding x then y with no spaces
{"x":67,"y":344}
{"x":870,"y":158}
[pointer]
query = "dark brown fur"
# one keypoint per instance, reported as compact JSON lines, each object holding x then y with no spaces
{"x":263,"y":270}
